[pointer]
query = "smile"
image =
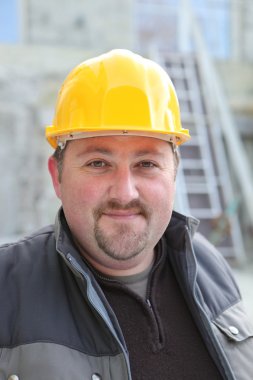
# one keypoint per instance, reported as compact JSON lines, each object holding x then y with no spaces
{"x":122,"y":215}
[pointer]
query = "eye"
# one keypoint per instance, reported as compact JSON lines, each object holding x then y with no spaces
{"x":97,"y":164}
{"x":147,"y":164}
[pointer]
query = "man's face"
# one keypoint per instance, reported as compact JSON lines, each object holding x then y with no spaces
{"x":117,"y":194}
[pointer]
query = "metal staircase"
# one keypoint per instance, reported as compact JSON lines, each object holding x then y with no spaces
{"x":204,"y":187}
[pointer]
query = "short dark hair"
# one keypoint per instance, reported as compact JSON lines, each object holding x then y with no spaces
{"x":59,"y":156}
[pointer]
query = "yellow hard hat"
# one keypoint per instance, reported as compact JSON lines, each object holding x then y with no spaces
{"x":117,"y":93}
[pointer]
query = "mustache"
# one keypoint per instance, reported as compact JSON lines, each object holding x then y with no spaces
{"x":114,"y":204}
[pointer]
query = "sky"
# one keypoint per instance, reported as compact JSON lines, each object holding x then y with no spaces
{"x":8,"y":21}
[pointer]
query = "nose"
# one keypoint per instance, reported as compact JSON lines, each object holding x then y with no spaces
{"x":123,"y":187}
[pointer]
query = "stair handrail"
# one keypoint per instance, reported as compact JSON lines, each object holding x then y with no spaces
{"x":220,"y":105}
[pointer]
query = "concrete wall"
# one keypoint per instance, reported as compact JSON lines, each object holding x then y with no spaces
{"x":89,"y":24}
{"x":242,"y":30}
{"x":56,"y":36}
{"x":27,"y":97}
{"x":237,"y":78}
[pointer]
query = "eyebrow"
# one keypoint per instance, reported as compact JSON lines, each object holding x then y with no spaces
{"x":94,"y":149}
{"x":148,"y":151}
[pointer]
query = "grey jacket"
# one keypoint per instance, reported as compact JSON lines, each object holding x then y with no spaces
{"x":55,"y":323}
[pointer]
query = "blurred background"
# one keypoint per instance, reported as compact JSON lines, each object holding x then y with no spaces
{"x":207,"y":48}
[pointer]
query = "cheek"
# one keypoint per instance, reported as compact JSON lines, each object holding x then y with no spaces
{"x":163,"y":198}
{"x":163,"y":190}
{"x":78,"y":193}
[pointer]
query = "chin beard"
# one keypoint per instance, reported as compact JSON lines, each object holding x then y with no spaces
{"x":122,"y":245}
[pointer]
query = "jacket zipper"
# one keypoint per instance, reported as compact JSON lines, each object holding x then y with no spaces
{"x":148,"y":299}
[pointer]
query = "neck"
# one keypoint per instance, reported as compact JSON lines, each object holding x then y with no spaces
{"x":112,"y":267}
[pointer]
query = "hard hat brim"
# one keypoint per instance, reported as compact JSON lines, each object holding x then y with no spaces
{"x":177,"y":138}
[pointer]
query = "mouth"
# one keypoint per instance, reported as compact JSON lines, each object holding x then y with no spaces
{"x":122,"y":214}
{"x":113,"y":210}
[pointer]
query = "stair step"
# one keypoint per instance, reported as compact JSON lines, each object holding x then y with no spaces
{"x":191,"y":163}
{"x":205,"y":213}
{"x":201,"y":190}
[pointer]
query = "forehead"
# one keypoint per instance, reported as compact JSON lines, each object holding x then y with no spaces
{"x":119,"y":145}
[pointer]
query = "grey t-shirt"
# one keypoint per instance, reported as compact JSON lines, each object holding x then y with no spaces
{"x":136,"y":282}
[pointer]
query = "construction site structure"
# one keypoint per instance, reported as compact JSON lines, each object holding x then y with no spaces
{"x":215,"y":181}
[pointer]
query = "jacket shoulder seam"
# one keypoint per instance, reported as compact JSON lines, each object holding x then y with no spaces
{"x":26,"y":238}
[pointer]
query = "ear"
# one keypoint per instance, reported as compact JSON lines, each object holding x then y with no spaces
{"x":53,"y":170}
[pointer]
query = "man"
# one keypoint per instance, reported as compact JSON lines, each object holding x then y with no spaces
{"x":121,"y":287}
